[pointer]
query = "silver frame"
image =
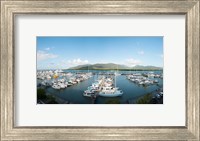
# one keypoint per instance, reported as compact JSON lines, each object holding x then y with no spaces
{"x":11,"y":8}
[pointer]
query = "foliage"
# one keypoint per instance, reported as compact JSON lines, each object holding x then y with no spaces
{"x":41,"y":94}
{"x":51,"y":100}
{"x":113,"y":101}
{"x":145,"y":99}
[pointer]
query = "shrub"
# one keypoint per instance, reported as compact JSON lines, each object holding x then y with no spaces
{"x":51,"y":100}
{"x":41,"y":94}
{"x":145,"y":99}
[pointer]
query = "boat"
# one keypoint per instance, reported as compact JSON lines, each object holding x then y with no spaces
{"x":88,"y":93}
{"x":44,"y":83}
{"x":155,"y":81}
{"x":66,"y":84}
{"x":93,"y":89}
{"x":109,"y":91}
{"x":56,"y":86}
{"x":62,"y":85}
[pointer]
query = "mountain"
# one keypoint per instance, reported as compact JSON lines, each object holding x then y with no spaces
{"x":112,"y":66}
{"x":99,"y":66}
{"x":146,"y":67}
{"x":80,"y":66}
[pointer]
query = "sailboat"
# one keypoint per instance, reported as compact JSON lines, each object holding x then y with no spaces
{"x":109,"y":91}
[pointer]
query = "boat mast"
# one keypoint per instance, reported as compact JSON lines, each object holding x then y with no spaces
{"x":115,"y":80}
{"x":115,"y":77}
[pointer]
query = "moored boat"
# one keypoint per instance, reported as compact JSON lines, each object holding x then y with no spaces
{"x":110,"y":92}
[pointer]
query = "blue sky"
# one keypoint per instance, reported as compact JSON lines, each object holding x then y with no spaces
{"x":66,"y":52}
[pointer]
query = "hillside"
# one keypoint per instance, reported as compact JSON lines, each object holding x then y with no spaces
{"x":147,"y":67}
{"x":112,"y":66}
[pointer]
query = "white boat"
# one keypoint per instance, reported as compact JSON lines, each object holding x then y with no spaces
{"x":69,"y":83}
{"x":48,"y":77}
{"x":147,"y":82}
{"x":43,"y":83}
{"x":59,"y":71}
{"x":56,"y":86}
{"x":91,"y":90}
{"x":155,"y":81}
{"x":141,"y":82}
{"x":88,"y":93}
{"x":78,"y":80}
{"x":62,"y":85}
{"x":66,"y":84}
{"x":110,"y":91}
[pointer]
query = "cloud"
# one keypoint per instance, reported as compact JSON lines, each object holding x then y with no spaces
{"x":47,"y":49}
{"x":140,"y":52}
{"x":78,"y":62}
{"x":42,"y":55}
{"x":161,"y":55}
{"x":133,"y":62}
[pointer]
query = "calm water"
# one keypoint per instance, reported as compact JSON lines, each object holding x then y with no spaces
{"x":132,"y":91}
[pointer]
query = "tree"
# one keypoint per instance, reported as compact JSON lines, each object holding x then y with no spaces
{"x":41,"y":94}
{"x":145,"y":99}
{"x":51,"y":100}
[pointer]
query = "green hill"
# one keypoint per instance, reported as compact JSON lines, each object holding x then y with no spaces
{"x":112,"y":66}
{"x":147,"y":67}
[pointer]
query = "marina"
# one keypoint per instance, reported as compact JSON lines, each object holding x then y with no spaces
{"x":100,"y":70}
{"x":99,"y":87}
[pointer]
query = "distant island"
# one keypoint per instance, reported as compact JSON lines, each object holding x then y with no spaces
{"x":112,"y":66}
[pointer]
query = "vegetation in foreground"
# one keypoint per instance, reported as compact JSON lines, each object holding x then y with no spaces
{"x":150,"y":98}
{"x":113,"y":101}
{"x":43,"y":97}
{"x":145,"y":99}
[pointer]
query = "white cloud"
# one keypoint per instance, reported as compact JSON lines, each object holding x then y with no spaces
{"x":48,"y":48}
{"x":140,"y":52}
{"x":133,"y":62}
{"x":42,"y":55}
{"x":78,"y":62}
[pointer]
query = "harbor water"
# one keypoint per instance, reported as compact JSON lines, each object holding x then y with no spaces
{"x":131,"y":91}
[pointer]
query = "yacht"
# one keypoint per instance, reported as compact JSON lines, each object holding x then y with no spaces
{"x":62,"y":85}
{"x":110,"y":92}
{"x":56,"y":86}
{"x":88,"y":93}
{"x":93,"y":89}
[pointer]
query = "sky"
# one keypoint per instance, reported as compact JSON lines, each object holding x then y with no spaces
{"x":66,"y":52}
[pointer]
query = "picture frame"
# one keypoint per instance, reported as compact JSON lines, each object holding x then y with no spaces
{"x":10,"y":8}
